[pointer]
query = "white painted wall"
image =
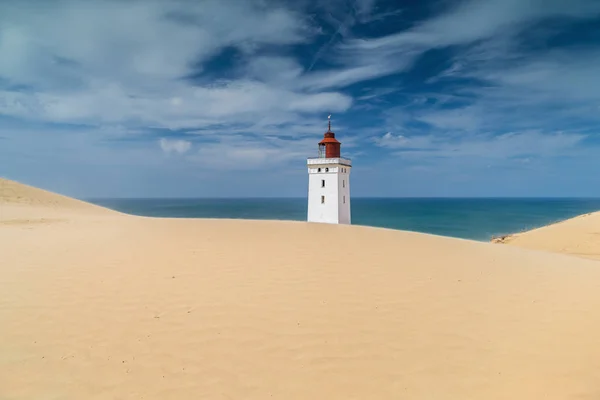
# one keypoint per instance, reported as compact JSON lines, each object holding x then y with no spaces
{"x":344,"y":195}
{"x":336,"y":207}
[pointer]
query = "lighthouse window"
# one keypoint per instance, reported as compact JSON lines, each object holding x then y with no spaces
{"x":343,"y":183}
{"x":319,"y":170}
{"x":344,"y":199}
{"x":322,"y":199}
{"x":322,"y":182}
{"x":326,"y":169}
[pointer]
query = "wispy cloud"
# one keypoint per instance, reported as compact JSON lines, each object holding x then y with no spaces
{"x":235,"y":86}
{"x":175,"y":145}
{"x":462,"y":23}
{"x":134,"y":72}
{"x":240,"y":152}
{"x":484,"y":146}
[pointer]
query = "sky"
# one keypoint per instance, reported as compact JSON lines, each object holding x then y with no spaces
{"x":227,"y":98}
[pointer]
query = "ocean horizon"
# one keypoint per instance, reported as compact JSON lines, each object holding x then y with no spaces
{"x":466,"y":218}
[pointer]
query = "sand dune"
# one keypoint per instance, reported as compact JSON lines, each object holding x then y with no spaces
{"x":579,"y":236}
{"x":23,"y":204}
{"x":112,"y":306}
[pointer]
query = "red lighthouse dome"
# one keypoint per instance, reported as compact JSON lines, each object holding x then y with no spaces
{"x":329,"y":147}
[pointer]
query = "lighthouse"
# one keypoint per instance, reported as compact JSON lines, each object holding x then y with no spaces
{"x":329,"y":182}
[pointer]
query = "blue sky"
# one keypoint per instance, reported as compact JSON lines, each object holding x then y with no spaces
{"x":227,"y":98}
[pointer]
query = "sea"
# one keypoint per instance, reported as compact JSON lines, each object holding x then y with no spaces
{"x":475,"y":218}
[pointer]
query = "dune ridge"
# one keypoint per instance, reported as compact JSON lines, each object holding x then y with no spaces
{"x":24,"y":204}
{"x":117,"y":306}
{"x":578,"y":236}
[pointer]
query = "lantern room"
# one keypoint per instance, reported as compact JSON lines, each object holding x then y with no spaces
{"x":329,"y":147}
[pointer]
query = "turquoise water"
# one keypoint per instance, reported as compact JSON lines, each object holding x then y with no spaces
{"x":477,"y":219}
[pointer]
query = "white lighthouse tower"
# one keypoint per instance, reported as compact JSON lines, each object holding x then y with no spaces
{"x":329,"y":183}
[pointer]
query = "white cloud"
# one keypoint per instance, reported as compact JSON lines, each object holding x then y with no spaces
{"x":555,"y":90}
{"x":141,"y":50}
{"x":175,"y":145}
{"x":113,"y":62}
{"x":238,"y":152}
{"x":466,"y":118}
{"x":505,"y":146}
{"x":273,"y":69}
{"x":543,"y":91}
{"x":134,"y":40}
{"x":132,"y":74}
{"x":556,"y":75}
{"x":405,"y":142}
{"x":346,"y":76}
{"x":463,"y":23}
{"x":473,"y":20}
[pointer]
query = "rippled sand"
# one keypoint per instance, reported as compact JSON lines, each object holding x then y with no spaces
{"x":101,"y":305}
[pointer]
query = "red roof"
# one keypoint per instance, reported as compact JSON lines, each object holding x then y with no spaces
{"x":329,"y":137}
{"x":328,"y":140}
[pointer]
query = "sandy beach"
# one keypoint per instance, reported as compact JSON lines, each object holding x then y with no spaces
{"x":95,"y":304}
